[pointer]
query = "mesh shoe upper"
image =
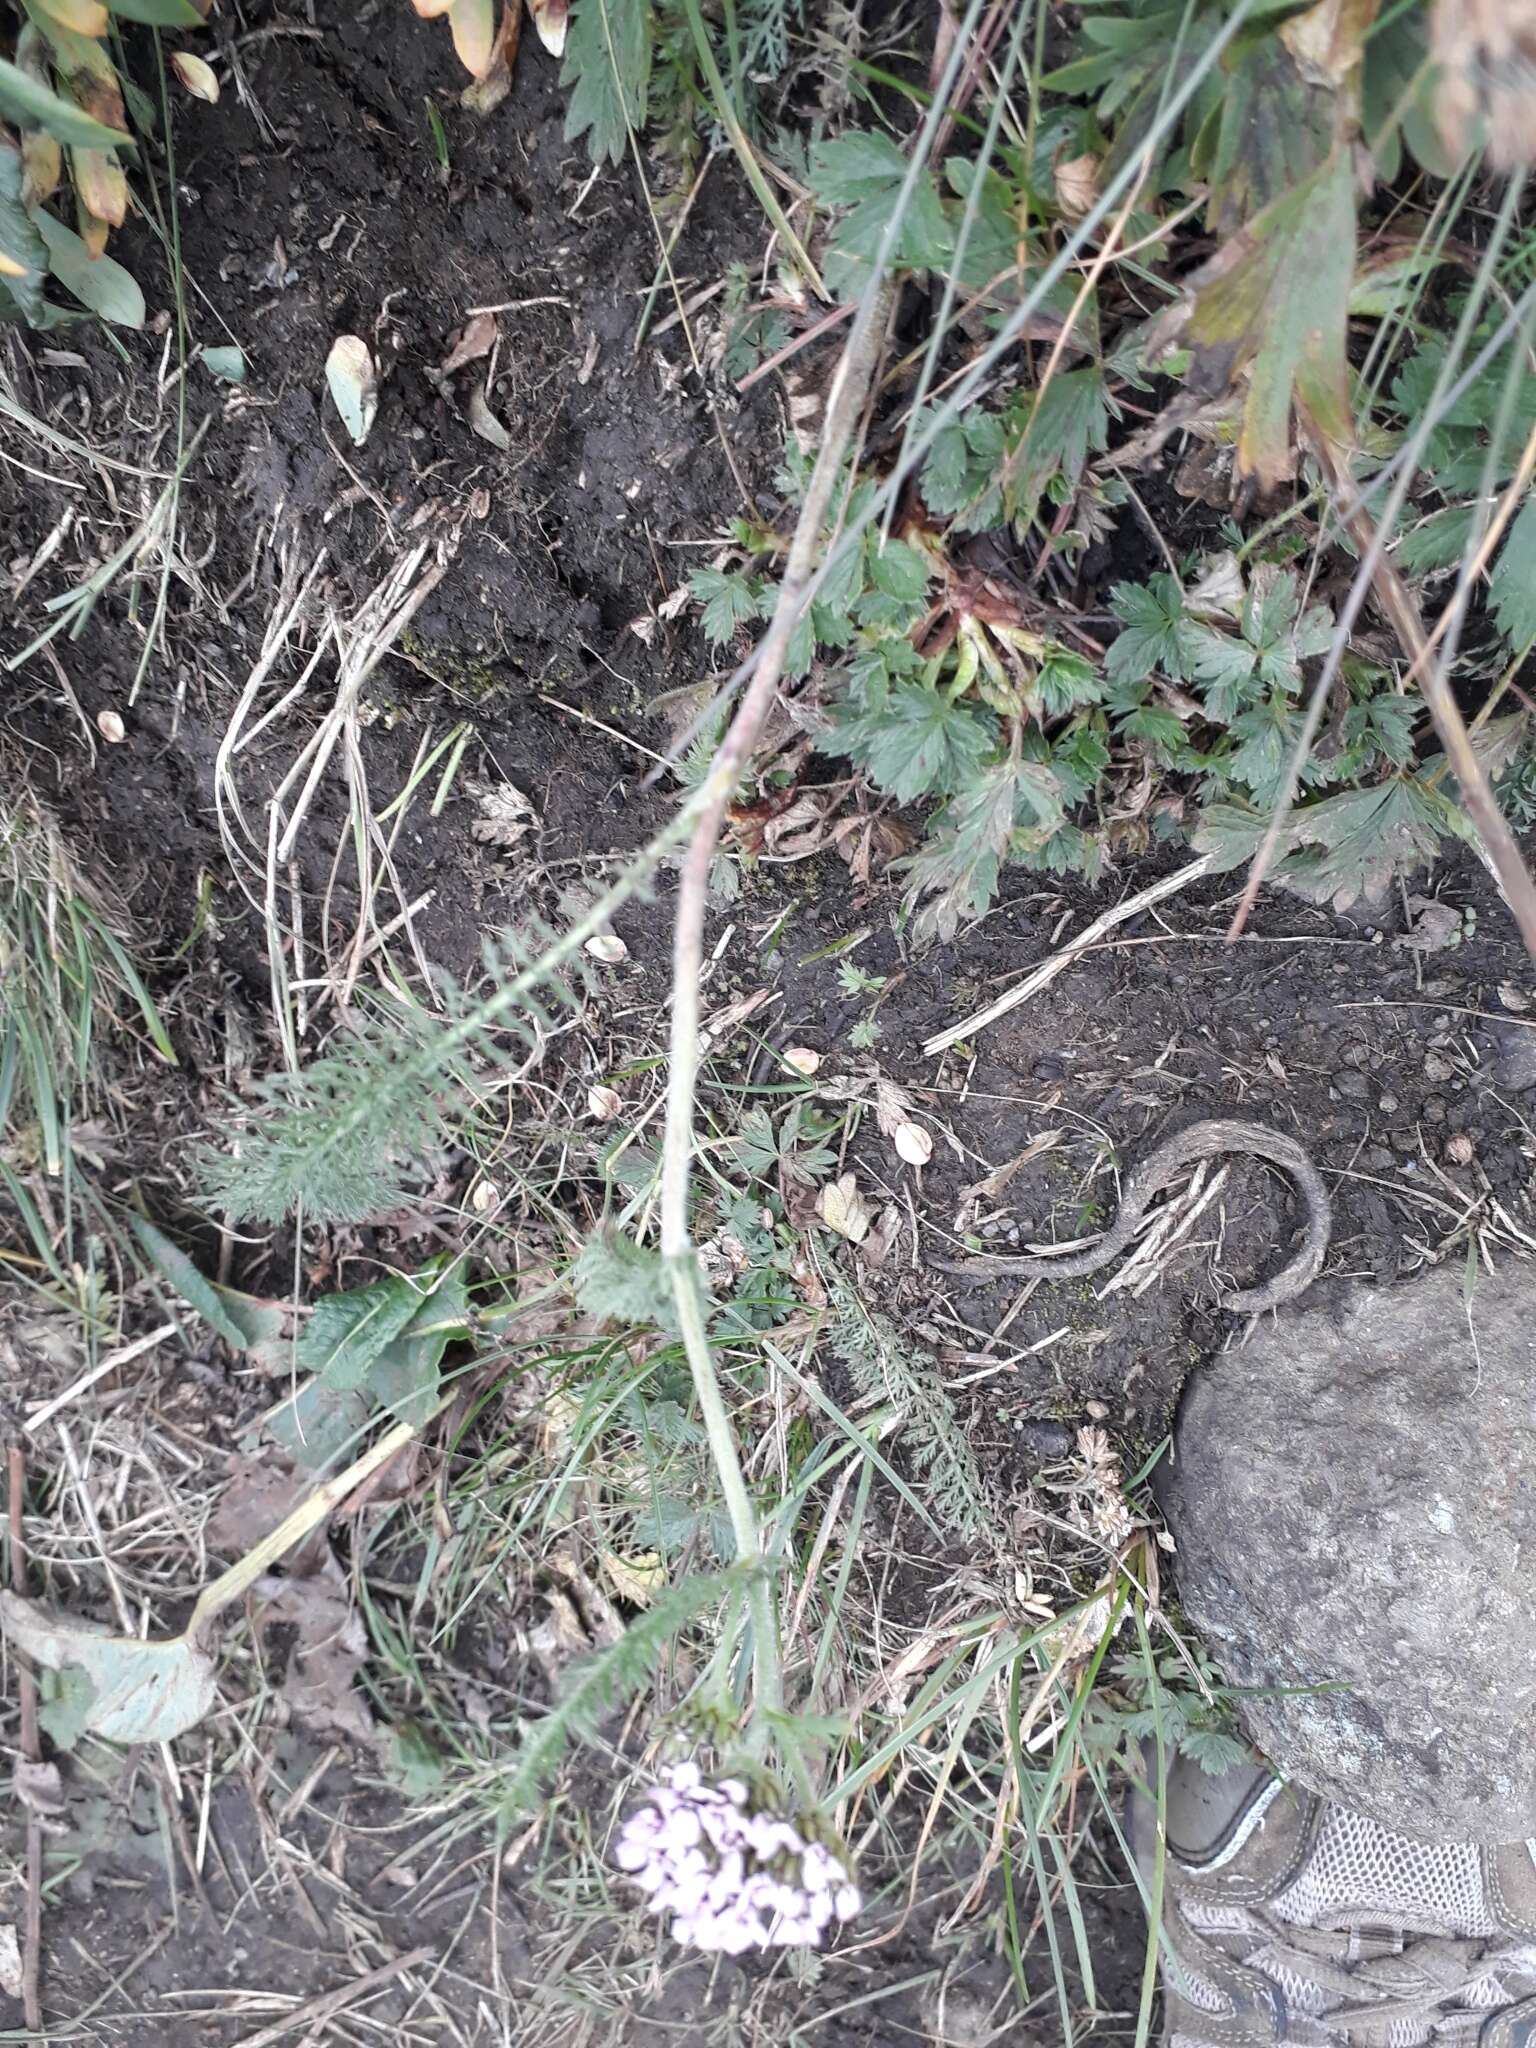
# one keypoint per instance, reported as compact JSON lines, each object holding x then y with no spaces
{"x":1289,"y":1919}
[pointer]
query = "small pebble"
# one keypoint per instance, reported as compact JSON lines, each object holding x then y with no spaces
{"x":1351,"y":1084}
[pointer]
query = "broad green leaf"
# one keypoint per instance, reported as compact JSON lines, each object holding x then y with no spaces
{"x":1512,"y":586}
{"x":320,"y":1423}
{"x":346,"y":1332}
{"x":32,"y":105}
{"x":158,"y":13}
{"x":97,"y":282}
{"x":899,"y":570}
{"x":143,"y":1691}
{"x":173,"y":1265}
{"x":262,"y":1325}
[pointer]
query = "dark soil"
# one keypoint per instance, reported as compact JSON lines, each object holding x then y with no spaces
{"x":313,"y":205}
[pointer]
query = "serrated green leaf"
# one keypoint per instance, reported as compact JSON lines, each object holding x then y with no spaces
{"x":32,"y":105}
{"x":899,"y":570}
{"x":623,"y":1281}
{"x":954,"y":873}
{"x":917,"y":742}
{"x":607,"y":69}
{"x":173,"y":1265}
{"x":1436,"y":542}
{"x":96,"y":281}
{"x":1512,"y":586}
{"x":1157,"y":634}
{"x":730,"y":598}
{"x":345,"y":1333}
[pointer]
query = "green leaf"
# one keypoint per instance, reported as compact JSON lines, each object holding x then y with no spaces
{"x":865,"y":171}
{"x":345,"y":1333}
{"x":1070,"y":417}
{"x":20,"y":241}
{"x":158,"y":13}
{"x":64,"y":1704}
{"x":900,"y":571}
{"x":31,"y":105}
{"x":405,"y":1377}
{"x":1436,"y":542}
{"x":1157,"y":636}
{"x":954,"y":873}
{"x":607,"y":68}
{"x":98,"y":282}
{"x":623,"y":1281}
{"x":1512,"y":586}
{"x":262,"y":1325}
{"x":143,"y":1691}
{"x":320,"y":1423}
{"x":227,"y":364}
{"x":173,"y":1265}
{"x":922,"y":743}
{"x":730,"y":599}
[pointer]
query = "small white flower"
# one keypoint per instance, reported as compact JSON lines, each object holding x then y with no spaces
{"x":733,"y":1875}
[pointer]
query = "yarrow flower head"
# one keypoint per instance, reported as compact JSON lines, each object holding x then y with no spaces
{"x":734,"y":1875}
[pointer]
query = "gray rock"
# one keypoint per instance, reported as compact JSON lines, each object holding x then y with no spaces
{"x":1353,"y":1497}
{"x":1514,"y":1054}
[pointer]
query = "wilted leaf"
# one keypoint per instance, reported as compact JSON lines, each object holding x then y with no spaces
{"x":507,"y":816}
{"x":353,"y":381}
{"x":97,"y":282}
{"x":261,"y":1491}
{"x":200,"y":78}
{"x":635,"y":1579}
{"x":844,"y":1210}
{"x":484,"y":422}
{"x":144,"y":1691}
{"x":30,"y":104}
{"x":473,"y":27}
{"x":913,"y":1144}
{"x":476,"y":339}
{"x":1276,"y":297}
{"x":549,"y":18}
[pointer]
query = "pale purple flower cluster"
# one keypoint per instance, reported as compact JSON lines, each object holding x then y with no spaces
{"x":732,"y":1875}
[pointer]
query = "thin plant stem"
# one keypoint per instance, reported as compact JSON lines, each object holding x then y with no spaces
{"x":850,"y":390}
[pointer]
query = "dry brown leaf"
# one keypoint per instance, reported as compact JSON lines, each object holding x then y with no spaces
{"x":1077,"y":185}
{"x":476,"y":338}
{"x":843,"y":1209}
{"x":38,"y":1786}
{"x":330,"y":1648}
{"x":507,"y":816}
{"x":893,"y":1106}
{"x":1486,"y":90}
{"x":261,"y":1490}
{"x":635,"y":1579}
{"x":483,"y":421}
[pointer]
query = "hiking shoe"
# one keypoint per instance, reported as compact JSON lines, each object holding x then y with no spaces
{"x":1288,"y":1918}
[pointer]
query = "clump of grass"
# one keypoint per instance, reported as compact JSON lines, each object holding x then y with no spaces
{"x":67,"y":980}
